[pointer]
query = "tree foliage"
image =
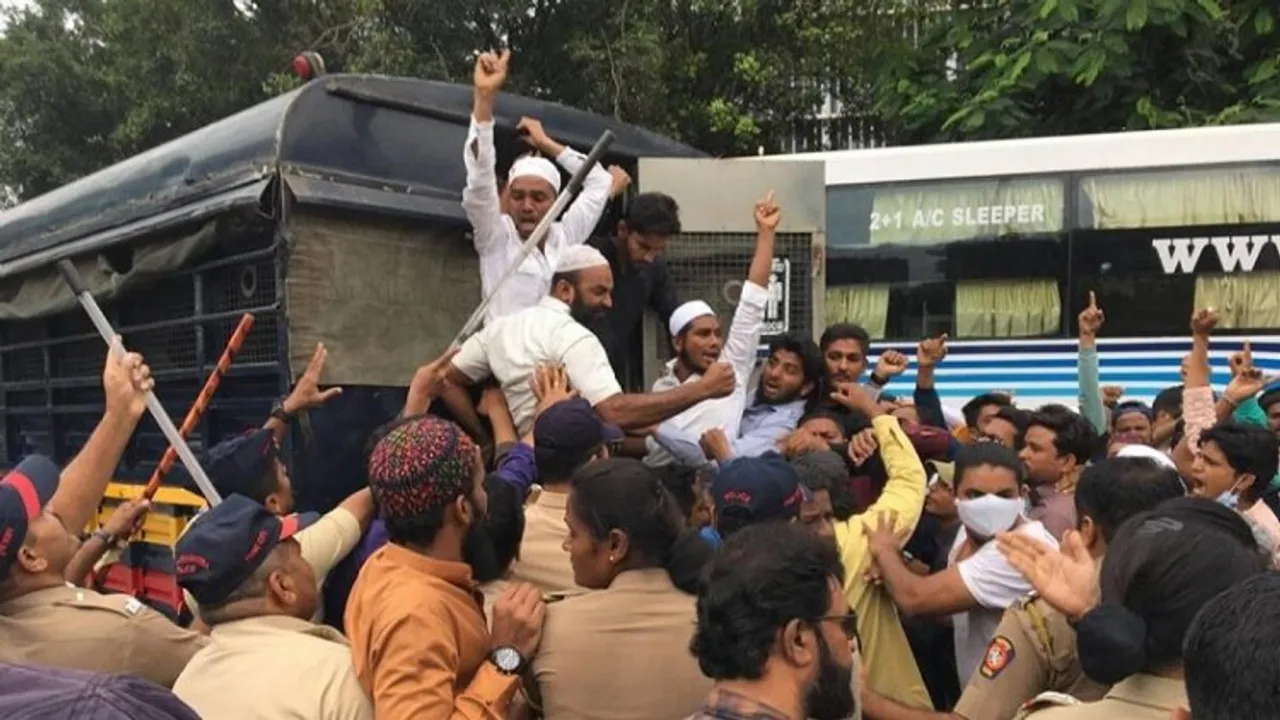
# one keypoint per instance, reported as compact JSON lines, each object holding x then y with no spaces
{"x":84,"y":83}
{"x":1013,"y":68}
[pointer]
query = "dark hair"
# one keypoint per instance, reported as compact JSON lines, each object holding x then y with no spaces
{"x":764,"y":577}
{"x":1161,"y":568}
{"x":1018,"y":418}
{"x":973,"y":408}
{"x":849,"y":422}
{"x":653,"y":213}
{"x":1231,"y":652}
{"x":821,"y":470}
{"x":1114,"y":490}
{"x":845,"y":331}
{"x":810,"y":356}
{"x":1072,"y":434}
{"x":504,"y":523}
{"x":1249,"y":449}
{"x":679,"y":480}
{"x":1269,"y":398}
{"x":1168,"y":401}
{"x":623,"y":494}
{"x":987,"y":454}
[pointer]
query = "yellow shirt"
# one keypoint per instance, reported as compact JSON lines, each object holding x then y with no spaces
{"x":891,"y":668}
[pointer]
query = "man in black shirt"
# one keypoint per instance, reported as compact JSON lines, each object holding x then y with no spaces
{"x":640,"y":280}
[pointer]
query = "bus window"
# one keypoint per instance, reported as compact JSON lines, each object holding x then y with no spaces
{"x":943,"y":212}
{"x":1180,"y":198}
{"x":1244,"y":301}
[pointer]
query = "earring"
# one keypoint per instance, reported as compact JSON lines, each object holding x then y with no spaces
{"x":613,"y":559}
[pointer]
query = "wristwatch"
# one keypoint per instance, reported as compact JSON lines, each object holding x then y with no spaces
{"x":279,"y":413}
{"x":508,"y":660}
{"x":108,"y":539}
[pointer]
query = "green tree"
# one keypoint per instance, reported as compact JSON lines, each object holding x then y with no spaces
{"x":85,"y":83}
{"x":1014,"y":68}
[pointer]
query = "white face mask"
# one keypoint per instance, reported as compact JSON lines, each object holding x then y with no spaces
{"x":989,"y":514}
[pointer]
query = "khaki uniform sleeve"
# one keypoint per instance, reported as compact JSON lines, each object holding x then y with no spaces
{"x":1014,"y":670}
{"x":329,"y":540}
{"x":144,"y":642}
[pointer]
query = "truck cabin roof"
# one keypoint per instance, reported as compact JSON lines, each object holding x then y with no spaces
{"x":362,"y":142}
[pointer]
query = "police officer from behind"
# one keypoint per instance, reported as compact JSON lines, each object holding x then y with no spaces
{"x":1033,"y":650}
{"x":43,"y":619}
{"x":257,"y":593}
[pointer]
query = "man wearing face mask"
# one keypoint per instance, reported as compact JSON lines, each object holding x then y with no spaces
{"x":774,"y":630}
{"x":257,"y":593}
{"x":418,"y":635}
{"x":556,"y":331}
{"x":1234,"y":467}
{"x":978,"y":584}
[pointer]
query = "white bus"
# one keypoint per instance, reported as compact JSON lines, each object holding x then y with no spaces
{"x":999,"y":243}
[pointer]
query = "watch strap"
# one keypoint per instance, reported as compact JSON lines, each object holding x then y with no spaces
{"x":279,"y":413}
{"x":107,"y":538}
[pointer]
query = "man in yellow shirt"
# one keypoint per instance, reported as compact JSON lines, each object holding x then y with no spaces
{"x":891,"y":668}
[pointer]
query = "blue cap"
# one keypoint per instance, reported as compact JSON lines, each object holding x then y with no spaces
{"x":237,"y":466}
{"x":227,"y":544}
{"x":757,"y":489}
{"x":23,"y":494}
{"x":570,"y":429}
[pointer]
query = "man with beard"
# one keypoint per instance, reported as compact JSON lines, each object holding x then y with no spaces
{"x":1056,"y":446}
{"x":418,"y":634}
{"x":774,"y":630}
{"x":641,"y":280}
{"x":503,"y":219}
{"x":787,"y":383}
{"x":557,"y":331}
{"x":697,"y":339}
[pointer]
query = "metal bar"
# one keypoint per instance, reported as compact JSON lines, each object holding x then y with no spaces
{"x":73,"y":280}
{"x":539,"y":232}
{"x":201,"y":404}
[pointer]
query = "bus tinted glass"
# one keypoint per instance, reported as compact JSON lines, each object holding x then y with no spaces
{"x":933,"y":213}
{"x":1170,"y":198}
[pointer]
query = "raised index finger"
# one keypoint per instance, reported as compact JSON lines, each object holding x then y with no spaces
{"x":1093,"y":300}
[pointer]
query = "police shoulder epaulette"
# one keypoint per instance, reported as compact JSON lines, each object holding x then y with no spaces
{"x":1045,"y":700}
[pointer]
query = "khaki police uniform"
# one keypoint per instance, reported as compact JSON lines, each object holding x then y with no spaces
{"x":79,"y":629}
{"x":272,"y":667}
{"x":543,"y":560}
{"x":1033,"y":651}
{"x":621,"y":652}
{"x":1140,"y":697}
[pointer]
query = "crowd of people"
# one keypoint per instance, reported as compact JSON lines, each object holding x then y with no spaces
{"x":776,"y":540}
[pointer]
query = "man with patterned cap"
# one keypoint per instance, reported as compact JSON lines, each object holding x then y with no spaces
{"x":418,"y":634}
{"x":44,"y":620}
{"x":502,"y":221}
{"x":696,"y":337}
{"x":266,"y":659}
{"x":556,"y":331}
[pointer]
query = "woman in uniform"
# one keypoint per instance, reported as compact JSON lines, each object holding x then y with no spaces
{"x":1161,"y":568}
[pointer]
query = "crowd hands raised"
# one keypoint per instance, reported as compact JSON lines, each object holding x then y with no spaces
{"x":785,"y":541}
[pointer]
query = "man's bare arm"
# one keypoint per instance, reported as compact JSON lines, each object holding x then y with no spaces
{"x":640,"y":410}
{"x":126,"y":379}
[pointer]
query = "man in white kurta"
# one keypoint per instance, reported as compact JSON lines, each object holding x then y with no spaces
{"x":690,"y":326}
{"x":501,"y":222}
